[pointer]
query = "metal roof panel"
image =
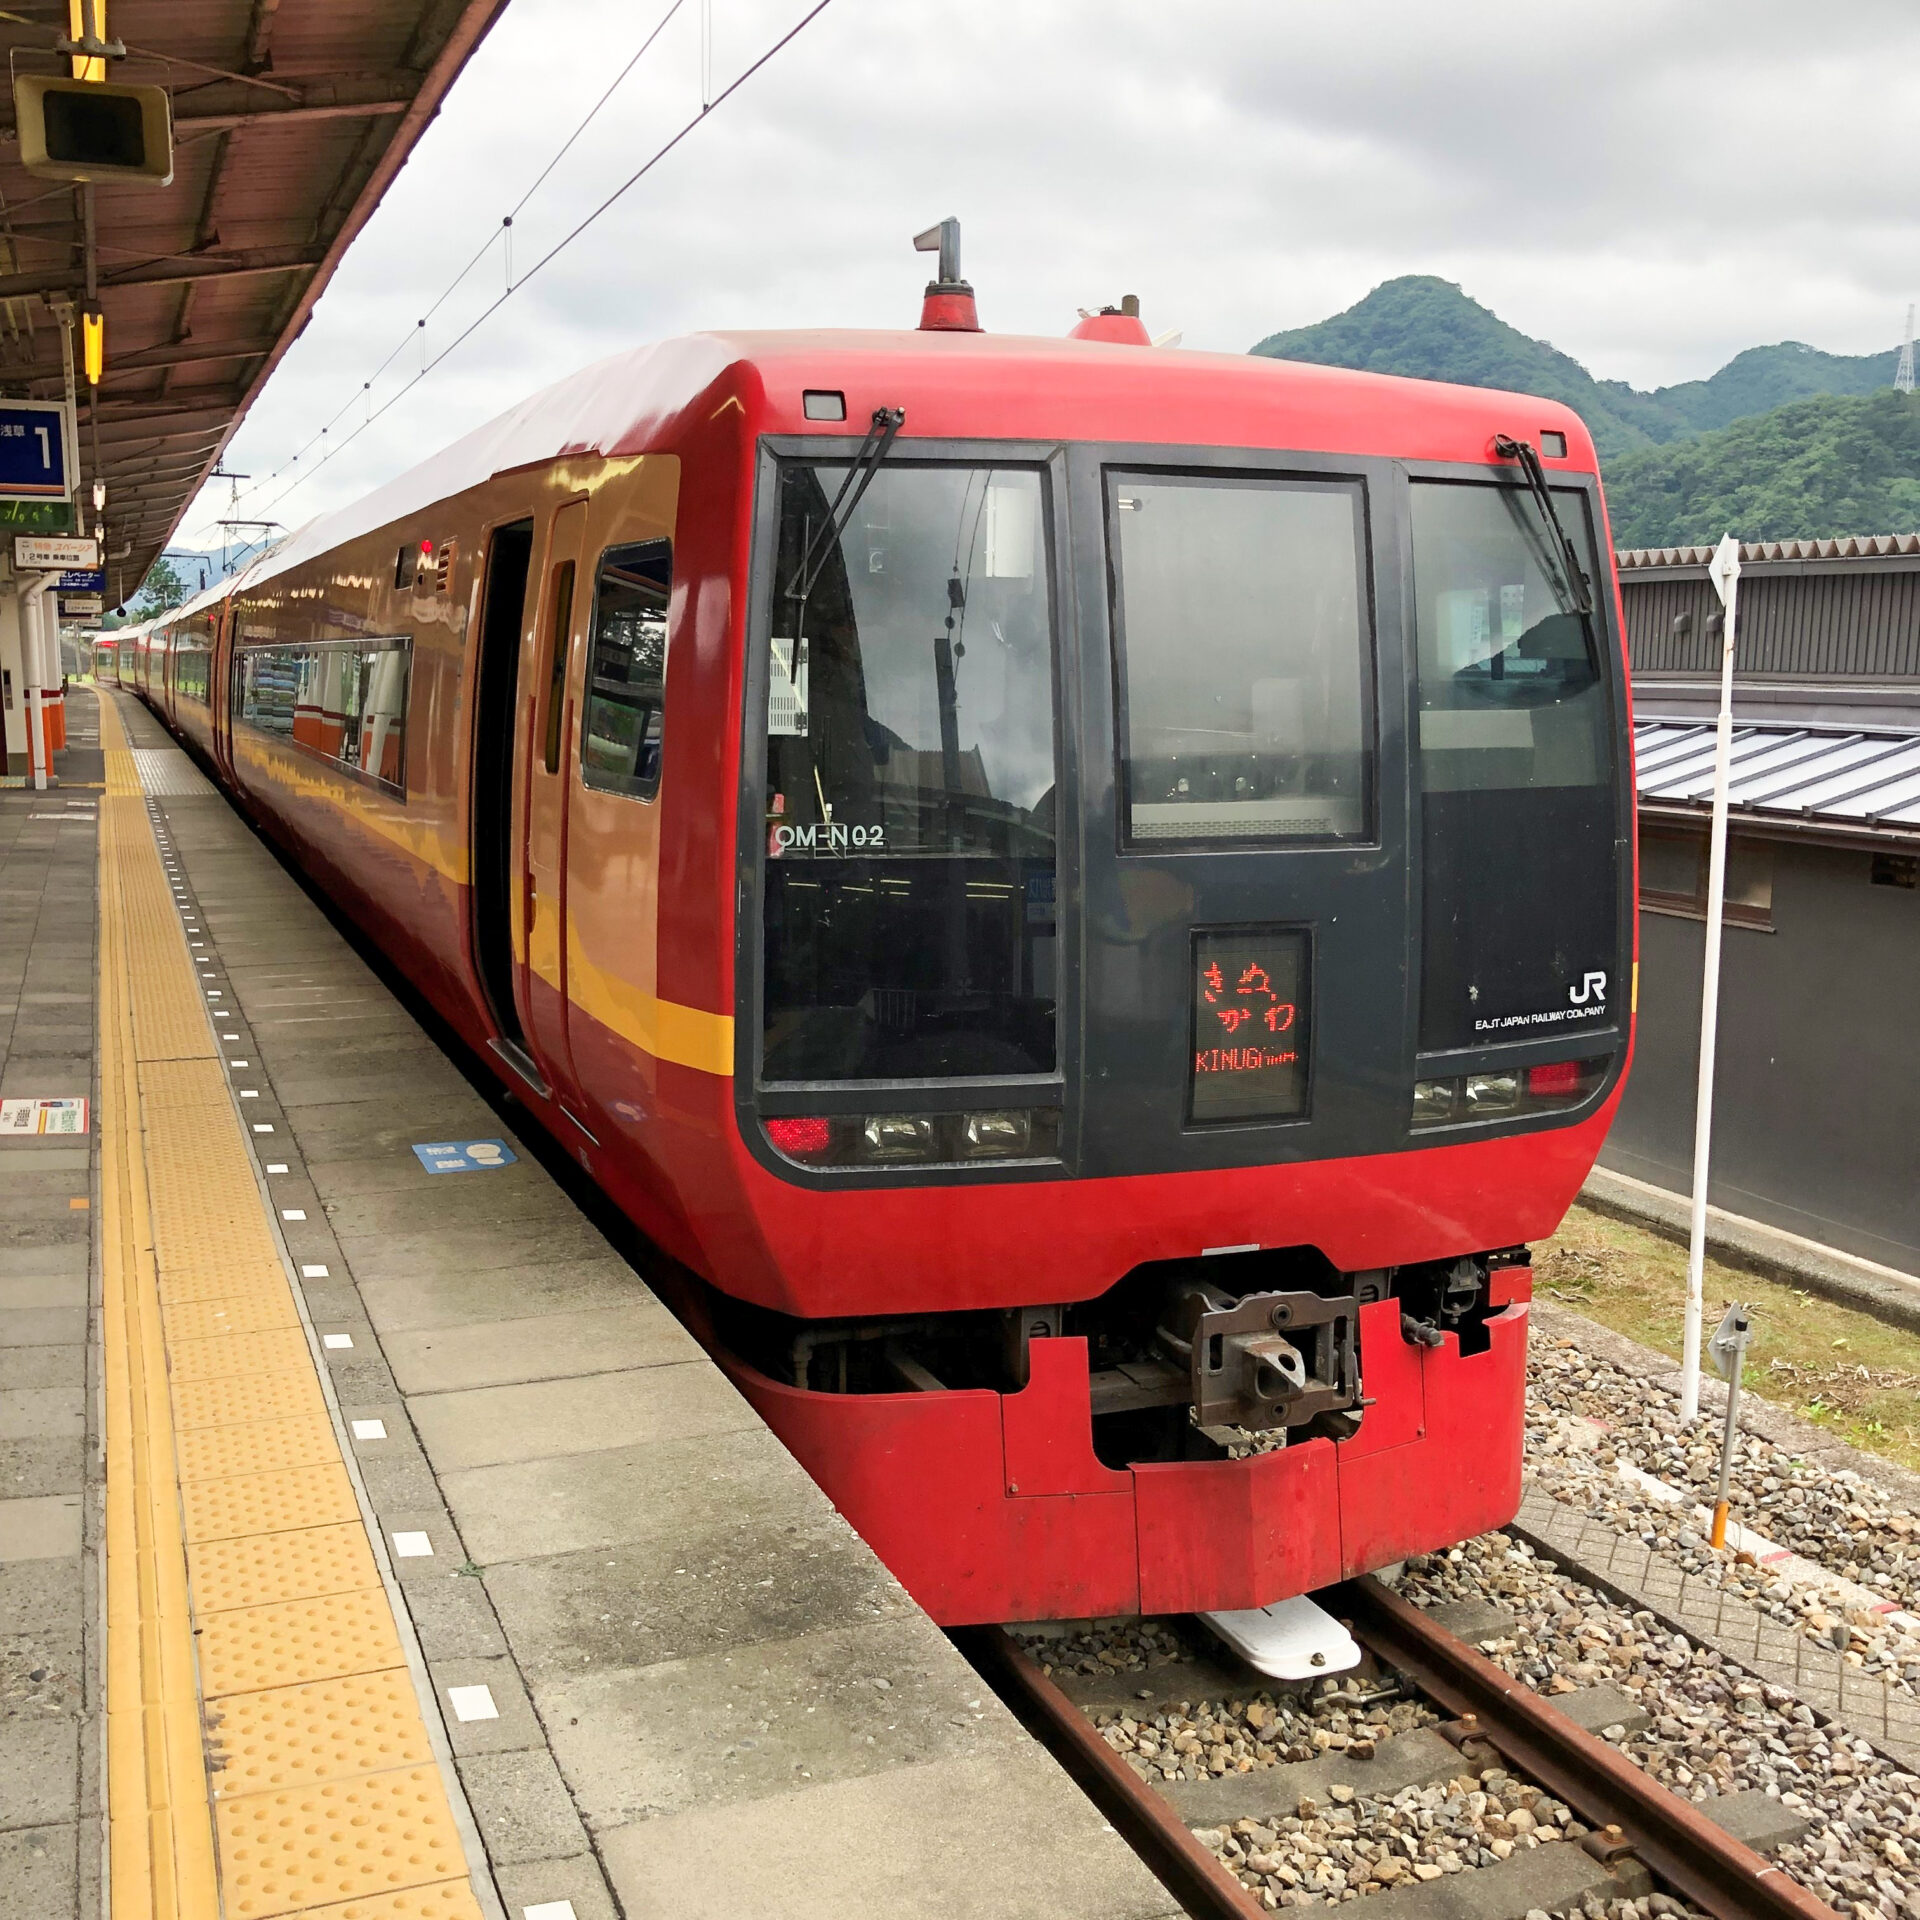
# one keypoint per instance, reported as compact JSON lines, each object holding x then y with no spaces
{"x":207,"y":281}
{"x":1850,"y":778}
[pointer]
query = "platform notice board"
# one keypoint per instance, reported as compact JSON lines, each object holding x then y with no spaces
{"x":19,"y":1118}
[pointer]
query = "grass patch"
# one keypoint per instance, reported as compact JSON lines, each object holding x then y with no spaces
{"x":1840,"y":1369}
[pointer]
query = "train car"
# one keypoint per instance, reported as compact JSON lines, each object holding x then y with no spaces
{"x":1080,"y":893}
{"x":189,"y":635}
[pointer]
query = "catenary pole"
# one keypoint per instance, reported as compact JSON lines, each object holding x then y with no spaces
{"x":1725,"y":575}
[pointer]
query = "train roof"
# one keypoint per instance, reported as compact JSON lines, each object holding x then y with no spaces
{"x":952,"y":386}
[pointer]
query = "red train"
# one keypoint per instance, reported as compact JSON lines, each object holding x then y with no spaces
{"x":1082,"y":893}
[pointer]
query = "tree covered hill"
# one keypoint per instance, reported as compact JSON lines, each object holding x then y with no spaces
{"x":1427,"y":328}
{"x":1829,"y":465}
{"x":1783,"y":442}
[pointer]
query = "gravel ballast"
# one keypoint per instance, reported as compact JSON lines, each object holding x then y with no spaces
{"x":1588,"y":1416}
{"x":1713,"y":1728}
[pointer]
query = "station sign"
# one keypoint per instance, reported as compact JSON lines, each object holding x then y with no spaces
{"x":50,"y":553}
{"x":33,"y":450}
{"x":83,"y":603}
{"x":82,"y":580}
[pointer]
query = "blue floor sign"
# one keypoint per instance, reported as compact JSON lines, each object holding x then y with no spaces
{"x":464,"y":1156}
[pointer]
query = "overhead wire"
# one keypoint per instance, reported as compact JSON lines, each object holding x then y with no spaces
{"x":707,"y":109}
{"x":479,"y":254}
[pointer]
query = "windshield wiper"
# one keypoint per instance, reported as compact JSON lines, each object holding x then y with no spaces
{"x":887,"y":422}
{"x":1575,"y":590}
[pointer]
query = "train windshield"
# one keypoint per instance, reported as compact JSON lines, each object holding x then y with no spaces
{"x":1517,"y":778}
{"x":1241,"y":609}
{"x":909,"y":908}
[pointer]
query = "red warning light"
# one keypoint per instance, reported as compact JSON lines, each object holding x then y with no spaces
{"x":802,"y":1137}
{"x":1556,"y":1080}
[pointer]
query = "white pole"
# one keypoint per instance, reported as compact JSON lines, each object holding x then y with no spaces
{"x":1725,"y":575}
{"x":32,"y":668}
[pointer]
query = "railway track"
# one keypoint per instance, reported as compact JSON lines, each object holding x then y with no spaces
{"x":1639,"y":1837}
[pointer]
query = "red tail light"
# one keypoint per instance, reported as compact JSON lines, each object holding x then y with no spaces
{"x":1557,"y":1081}
{"x":801,"y":1137}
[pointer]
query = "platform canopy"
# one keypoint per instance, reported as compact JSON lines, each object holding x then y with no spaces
{"x":290,"y":120}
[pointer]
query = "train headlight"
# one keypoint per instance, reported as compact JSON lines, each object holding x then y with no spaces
{"x":1433,"y":1102}
{"x":1492,"y":1093}
{"x":898,"y":1136}
{"x":850,"y":1141}
{"x":988,"y":1134}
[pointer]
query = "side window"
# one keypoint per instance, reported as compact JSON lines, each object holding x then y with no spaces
{"x":627,"y":670}
{"x":559,"y":626}
{"x":345,"y":701}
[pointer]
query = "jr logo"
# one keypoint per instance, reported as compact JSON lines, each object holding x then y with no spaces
{"x":1593,"y":987}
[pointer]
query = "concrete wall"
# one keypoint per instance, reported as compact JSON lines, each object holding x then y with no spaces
{"x":1817,"y":1080}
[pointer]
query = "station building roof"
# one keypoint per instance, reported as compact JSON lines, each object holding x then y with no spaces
{"x":291,"y":119}
{"x":1829,"y":782}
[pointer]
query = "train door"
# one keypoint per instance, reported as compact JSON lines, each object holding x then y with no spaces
{"x":494,"y":931}
{"x":219,"y":687}
{"x":548,"y":709}
{"x":1245,"y":981}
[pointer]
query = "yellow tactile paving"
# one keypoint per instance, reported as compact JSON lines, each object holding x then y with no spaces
{"x":246,"y":1616}
{"x":238,"y":1505}
{"x":295,"y":1640}
{"x":206,"y":1453}
{"x":450,"y":1900}
{"x":241,"y":1399}
{"x":161,"y":1859}
{"x":290,"y":1737}
{"x":335,"y":1840}
{"x":278,"y":1350}
{"x":255,"y":1311}
{"x":304,"y":1564}
{"x":183,"y":1284}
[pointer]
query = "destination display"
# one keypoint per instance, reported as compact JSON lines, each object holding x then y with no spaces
{"x":1251,"y":1022}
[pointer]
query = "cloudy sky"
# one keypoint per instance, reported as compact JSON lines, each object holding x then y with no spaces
{"x":1649,"y":184}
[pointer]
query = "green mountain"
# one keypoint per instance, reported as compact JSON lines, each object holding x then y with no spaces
{"x":1816,"y":468}
{"x":1783,"y":442}
{"x":1427,"y":328}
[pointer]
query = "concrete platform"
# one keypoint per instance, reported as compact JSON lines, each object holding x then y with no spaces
{"x":51,"y":1793}
{"x":707,"y":1696}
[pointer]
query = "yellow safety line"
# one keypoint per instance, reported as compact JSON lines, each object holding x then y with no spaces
{"x":266,"y":1751}
{"x":161,"y":1857}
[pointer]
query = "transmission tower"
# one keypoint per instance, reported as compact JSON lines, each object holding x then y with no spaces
{"x":1903,"y":373}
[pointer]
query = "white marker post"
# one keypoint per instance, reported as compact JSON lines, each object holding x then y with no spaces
{"x":1724,"y":572}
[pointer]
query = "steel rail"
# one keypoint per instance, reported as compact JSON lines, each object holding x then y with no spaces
{"x":1142,"y":1817}
{"x":1689,"y":1854}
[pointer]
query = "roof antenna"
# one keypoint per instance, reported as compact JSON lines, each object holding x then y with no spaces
{"x":948,"y":306}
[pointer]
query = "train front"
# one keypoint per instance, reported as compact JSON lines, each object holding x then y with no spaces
{"x":1184,"y":955}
